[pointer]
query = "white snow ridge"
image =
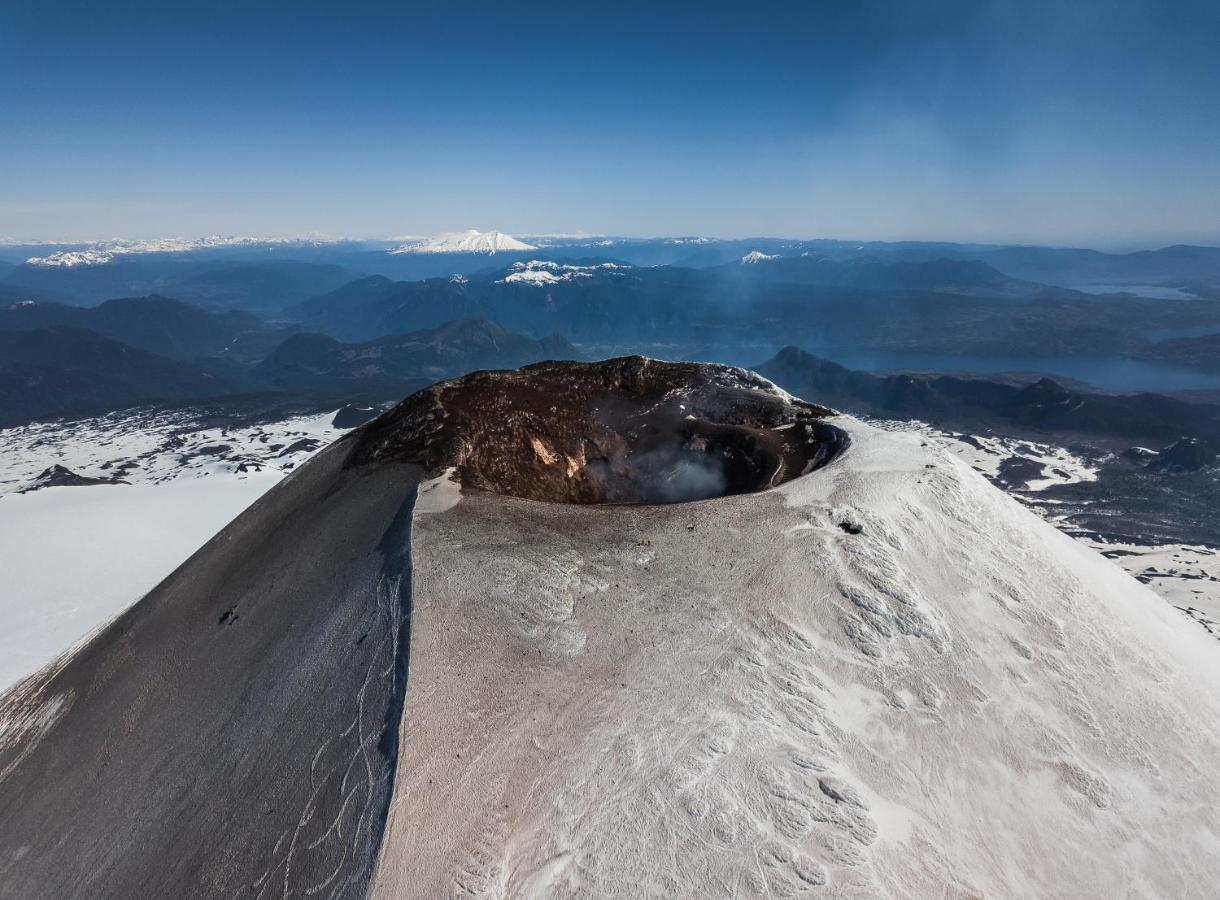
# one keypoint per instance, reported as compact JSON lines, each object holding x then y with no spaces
{"x":469,"y":241}
{"x":100,"y":253}
{"x":540,"y":272}
{"x":757,"y":256}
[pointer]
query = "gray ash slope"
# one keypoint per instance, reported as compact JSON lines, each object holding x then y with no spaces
{"x":739,"y":695}
{"x":225,"y":735}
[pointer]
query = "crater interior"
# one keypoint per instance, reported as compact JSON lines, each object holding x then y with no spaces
{"x":620,"y":431}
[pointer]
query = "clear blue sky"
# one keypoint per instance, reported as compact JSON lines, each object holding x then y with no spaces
{"x":1078,"y":122}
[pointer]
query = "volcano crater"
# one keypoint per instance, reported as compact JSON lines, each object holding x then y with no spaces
{"x":629,"y":430}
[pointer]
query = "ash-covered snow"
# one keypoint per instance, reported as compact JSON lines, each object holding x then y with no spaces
{"x":744,"y":698}
{"x":1187,"y":576}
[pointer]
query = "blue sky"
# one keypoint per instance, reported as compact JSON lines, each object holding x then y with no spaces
{"x":1066,"y":123}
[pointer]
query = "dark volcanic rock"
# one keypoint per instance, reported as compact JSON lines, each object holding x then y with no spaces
{"x":237,"y":728}
{"x":627,"y":430}
{"x":1184,"y":455}
{"x":1017,"y":472}
{"x":61,"y":476}
{"x":1140,"y":455}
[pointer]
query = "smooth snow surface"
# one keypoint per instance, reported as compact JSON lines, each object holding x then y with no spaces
{"x":470,"y":241}
{"x":71,"y":558}
{"x":741,"y":697}
{"x":74,"y":557}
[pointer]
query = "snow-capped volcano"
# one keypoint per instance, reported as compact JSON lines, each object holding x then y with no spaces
{"x":469,"y":241}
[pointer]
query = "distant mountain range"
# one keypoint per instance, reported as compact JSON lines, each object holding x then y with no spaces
{"x":73,"y":371}
{"x":254,"y":285}
{"x":153,"y":323}
{"x":63,"y":360}
{"x":940,"y":306}
{"x":306,"y":360}
{"x":1193,"y":271}
{"x":1201,"y":352}
{"x":976,"y":405}
{"x":300,"y":315}
{"x":101,"y":253}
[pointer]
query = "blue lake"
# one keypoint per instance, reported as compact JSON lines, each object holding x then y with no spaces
{"x":1109,"y":374}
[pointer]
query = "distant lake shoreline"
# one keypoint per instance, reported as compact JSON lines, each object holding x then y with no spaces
{"x":1107,"y":374}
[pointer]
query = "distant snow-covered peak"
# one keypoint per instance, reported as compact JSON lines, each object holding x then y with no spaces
{"x":469,"y":241}
{"x":690,"y":240}
{"x":100,"y":253}
{"x":541,"y":272}
{"x":67,"y":259}
{"x":757,"y":256}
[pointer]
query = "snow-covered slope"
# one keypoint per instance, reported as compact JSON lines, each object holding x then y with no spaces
{"x":72,"y":558}
{"x":757,"y":256}
{"x":744,"y":698}
{"x":148,"y":446}
{"x":470,"y":241}
{"x":540,"y":272}
{"x":69,"y":259}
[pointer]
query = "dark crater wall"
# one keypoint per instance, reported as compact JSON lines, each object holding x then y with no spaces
{"x":626,"y":430}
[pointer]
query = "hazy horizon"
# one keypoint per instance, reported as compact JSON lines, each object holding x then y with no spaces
{"x":1108,"y":244}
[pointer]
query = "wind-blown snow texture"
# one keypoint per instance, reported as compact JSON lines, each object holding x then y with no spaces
{"x":740,"y":697}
